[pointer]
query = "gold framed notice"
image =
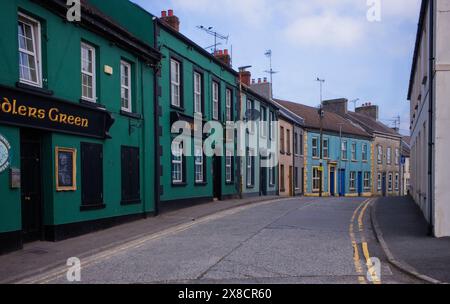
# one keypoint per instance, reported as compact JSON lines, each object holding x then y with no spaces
{"x":66,"y":169}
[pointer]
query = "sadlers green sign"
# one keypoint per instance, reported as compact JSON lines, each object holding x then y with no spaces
{"x":24,"y":109}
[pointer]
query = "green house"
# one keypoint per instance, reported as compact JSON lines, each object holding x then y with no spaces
{"x":76,"y":118}
{"x":192,"y":83}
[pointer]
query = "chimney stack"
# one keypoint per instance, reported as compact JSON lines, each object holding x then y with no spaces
{"x":170,"y":19}
{"x":223,"y":56}
{"x":339,"y":106}
{"x":369,"y":110}
{"x":245,"y":77}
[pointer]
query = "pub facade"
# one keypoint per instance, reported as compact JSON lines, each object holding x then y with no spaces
{"x":76,"y":119}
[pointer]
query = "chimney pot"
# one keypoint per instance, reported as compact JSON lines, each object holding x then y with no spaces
{"x":259,"y":80}
{"x":171,"y":13}
{"x":253,"y":81}
{"x":265,"y":79}
{"x":163,"y":14}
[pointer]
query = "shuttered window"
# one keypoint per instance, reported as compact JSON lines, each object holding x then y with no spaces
{"x":131,"y":186}
{"x":91,"y":174}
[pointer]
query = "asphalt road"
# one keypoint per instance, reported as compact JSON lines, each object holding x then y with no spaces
{"x":302,"y":240}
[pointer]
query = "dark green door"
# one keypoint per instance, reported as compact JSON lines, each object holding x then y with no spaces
{"x":30,"y":156}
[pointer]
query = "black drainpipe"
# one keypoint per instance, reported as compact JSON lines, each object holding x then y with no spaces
{"x":430,"y":119}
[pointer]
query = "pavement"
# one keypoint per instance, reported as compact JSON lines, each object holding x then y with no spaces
{"x":296,"y":240}
{"x":40,"y":257}
{"x":404,"y":231}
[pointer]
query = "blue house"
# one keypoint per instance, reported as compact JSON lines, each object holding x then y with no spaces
{"x":342,"y":166}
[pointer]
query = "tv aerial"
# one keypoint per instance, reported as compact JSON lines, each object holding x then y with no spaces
{"x":210,"y":31}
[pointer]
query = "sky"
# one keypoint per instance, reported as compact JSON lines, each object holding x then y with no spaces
{"x":359,"y":57}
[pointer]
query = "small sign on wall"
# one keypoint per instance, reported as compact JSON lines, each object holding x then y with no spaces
{"x":14,"y":177}
{"x":5,"y":159}
{"x":65,"y":165}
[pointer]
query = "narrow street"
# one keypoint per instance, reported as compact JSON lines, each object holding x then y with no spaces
{"x":301,"y":240}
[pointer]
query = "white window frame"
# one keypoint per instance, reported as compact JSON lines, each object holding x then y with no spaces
{"x":177,"y":153}
{"x":380,"y":181}
{"x":199,"y":166}
{"x":389,"y":155}
{"x":229,"y":104}
{"x":175,"y":83}
{"x":124,"y":64}
{"x":92,"y":74}
{"x":354,"y":154}
{"x":390,"y":182}
{"x":352,"y":184}
{"x":316,"y":179}
{"x":315,"y":147}
{"x":296,"y":178}
{"x":366,"y":180}
{"x":344,"y":150}
{"x":251,"y":123}
{"x":397,"y":156}
{"x":272,"y":125}
{"x":272,"y":176}
{"x":263,"y":123}
{"x":380,"y":154}
{"x":229,"y":166}
{"x":326,"y":148}
{"x":198,"y":93}
{"x":397,"y":182}
{"x":37,"y":52}
{"x":250,"y":175}
{"x":215,"y":100}
{"x":364,"y":152}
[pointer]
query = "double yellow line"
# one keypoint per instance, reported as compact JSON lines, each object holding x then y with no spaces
{"x":358,"y":218}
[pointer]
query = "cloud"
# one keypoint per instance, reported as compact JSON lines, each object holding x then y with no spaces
{"x":327,"y":29}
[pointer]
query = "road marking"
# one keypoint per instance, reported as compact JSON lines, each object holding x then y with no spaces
{"x":356,"y":256}
{"x":365,"y":246}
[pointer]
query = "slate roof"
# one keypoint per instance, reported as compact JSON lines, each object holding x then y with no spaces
{"x":370,"y":125}
{"x":331,"y":121}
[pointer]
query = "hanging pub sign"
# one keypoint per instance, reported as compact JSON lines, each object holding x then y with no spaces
{"x":24,"y":109}
{"x":66,"y":169}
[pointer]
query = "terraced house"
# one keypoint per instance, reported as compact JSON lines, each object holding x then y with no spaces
{"x":341,"y":166}
{"x":260,"y":170}
{"x":76,"y":117}
{"x":386,"y":144}
{"x":192,"y":82}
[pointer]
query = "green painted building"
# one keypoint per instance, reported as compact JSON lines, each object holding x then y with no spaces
{"x":192,"y":83}
{"x":260,"y":178}
{"x":77,"y":127}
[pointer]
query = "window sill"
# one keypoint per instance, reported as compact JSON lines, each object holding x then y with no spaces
{"x":92,"y":207}
{"x":179,"y":184}
{"x":200,"y":184}
{"x":130,"y":202}
{"x":92,"y":104}
{"x":250,"y":187}
{"x":181,"y":109}
{"x":131,"y":115}
{"x":34,"y":89}
{"x":229,"y":183}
